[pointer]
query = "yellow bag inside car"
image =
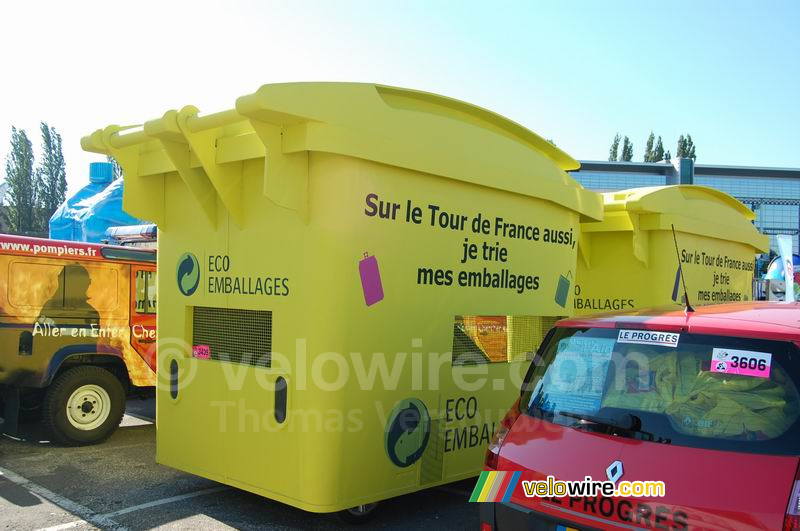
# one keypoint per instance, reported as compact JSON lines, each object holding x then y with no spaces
{"x":702,"y":403}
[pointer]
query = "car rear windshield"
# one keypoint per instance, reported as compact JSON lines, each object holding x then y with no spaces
{"x":701,"y":391}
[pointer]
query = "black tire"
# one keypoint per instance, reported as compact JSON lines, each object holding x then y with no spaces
{"x":360,"y":514}
{"x":85,"y":383}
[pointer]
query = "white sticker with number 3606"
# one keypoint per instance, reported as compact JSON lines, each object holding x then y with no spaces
{"x":742,"y":362}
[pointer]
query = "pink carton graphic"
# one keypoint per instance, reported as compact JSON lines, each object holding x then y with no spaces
{"x":370,"y":279}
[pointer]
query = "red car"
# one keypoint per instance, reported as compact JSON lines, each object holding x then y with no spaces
{"x":705,"y":401}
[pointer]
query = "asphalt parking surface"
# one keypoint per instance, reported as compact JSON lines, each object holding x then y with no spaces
{"x":118,"y":485}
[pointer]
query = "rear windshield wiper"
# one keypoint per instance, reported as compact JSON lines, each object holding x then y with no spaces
{"x":630,"y":425}
{"x":627,"y":422}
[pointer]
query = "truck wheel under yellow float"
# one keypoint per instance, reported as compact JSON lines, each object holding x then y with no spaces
{"x":84,"y":405}
{"x":358,"y":514}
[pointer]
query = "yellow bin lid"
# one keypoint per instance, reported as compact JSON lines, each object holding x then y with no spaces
{"x":689,"y":208}
{"x":400,"y":127}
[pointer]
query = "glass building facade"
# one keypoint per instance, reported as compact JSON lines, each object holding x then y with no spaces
{"x":772,"y":193}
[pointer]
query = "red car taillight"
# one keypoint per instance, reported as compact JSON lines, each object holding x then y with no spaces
{"x":493,"y":452}
{"x":791,"y":521}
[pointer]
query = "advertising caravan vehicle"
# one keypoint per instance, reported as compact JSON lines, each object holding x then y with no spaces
{"x":133,"y":235}
{"x":706,"y":403}
{"x":356,"y":274}
{"x":635,"y":244}
{"x":86,"y":215}
{"x":77,"y":330}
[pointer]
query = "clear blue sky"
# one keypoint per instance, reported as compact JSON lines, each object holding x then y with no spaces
{"x":577,"y":72}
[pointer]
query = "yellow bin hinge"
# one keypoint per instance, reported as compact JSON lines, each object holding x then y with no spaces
{"x":176,"y":146}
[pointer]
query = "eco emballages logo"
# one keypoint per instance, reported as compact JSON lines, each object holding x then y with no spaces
{"x":188,"y":274}
{"x":407,"y":432}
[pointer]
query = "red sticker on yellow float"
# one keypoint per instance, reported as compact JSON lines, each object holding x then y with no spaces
{"x":202,"y":352}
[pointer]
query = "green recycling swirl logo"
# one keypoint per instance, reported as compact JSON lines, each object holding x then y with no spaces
{"x":188,"y":274}
{"x":407,"y":432}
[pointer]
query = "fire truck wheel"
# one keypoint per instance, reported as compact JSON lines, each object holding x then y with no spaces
{"x":358,"y":514}
{"x":84,"y":405}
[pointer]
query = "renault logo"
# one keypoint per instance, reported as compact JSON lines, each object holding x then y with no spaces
{"x":614,"y":471}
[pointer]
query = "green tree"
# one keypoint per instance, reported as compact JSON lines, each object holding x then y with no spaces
{"x":667,"y":156}
{"x":51,"y":176}
{"x":116,"y":169}
{"x":681,"y":151}
{"x":690,"y":151}
{"x":658,"y":151}
{"x":614,"y":149}
{"x":20,"y":213}
{"x":648,"y":148}
{"x":627,"y":150}
{"x":686,"y":148}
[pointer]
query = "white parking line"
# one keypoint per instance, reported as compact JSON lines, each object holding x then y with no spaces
{"x":69,"y":525}
{"x":139,"y":507}
{"x":86,"y":514}
{"x":163,"y":501}
{"x":129,"y":421}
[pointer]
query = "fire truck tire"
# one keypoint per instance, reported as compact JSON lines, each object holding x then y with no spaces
{"x":83,"y":405}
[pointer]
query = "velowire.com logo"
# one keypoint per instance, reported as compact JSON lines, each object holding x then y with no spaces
{"x":188,"y":274}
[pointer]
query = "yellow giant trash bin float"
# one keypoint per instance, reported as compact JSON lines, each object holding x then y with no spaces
{"x":352,"y":279}
{"x":629,"y":260}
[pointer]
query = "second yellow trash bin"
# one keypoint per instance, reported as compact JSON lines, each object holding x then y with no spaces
{"x":629,"y":260}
